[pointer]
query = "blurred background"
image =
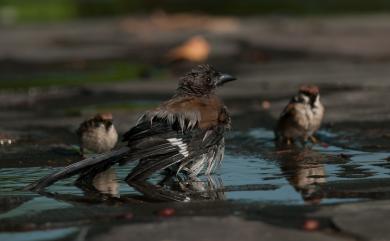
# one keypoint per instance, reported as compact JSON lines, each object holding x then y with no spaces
{"x":74,"y":42}
{"x":62,"y":61}
{"x":19,"y":11}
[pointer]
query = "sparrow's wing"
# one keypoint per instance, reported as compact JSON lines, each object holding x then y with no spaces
{"x":84,"y":126}
{"x":288,"y":111}
{"x":286,"y":119}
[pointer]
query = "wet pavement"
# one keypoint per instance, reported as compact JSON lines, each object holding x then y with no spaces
{"x":338,"y":189}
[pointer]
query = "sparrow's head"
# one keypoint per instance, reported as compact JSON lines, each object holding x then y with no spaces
{"x":309,"y":90}
{"x":103,"y":119}
{"x":308,"y":94}
{"x":202,"y":80}
{"x":104,"y":116}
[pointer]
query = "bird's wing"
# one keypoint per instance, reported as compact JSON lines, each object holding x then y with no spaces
{"x":286,"y":119}
{"x":289,"y":110}
{"x":177,"y":131}
{"x":85,"y":126}
{"x":159,"y":144}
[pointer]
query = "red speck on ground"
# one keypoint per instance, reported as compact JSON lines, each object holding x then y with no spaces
{"x":325,"y":145}
{"x":311,"y":225}
{"x":166,"y":212}
{"x":266,"y":104}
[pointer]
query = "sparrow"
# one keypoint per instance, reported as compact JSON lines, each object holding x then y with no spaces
{"x":184,"y":134}
{"x":97,"y":134}
{"x":302,"y":117}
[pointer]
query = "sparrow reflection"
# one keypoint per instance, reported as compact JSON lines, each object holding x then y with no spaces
{"x":304,"y":171}
{"x":106,"y":182}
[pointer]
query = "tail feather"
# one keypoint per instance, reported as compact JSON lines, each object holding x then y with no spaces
{"x":77,"y":168}
{"x":145,"y":169}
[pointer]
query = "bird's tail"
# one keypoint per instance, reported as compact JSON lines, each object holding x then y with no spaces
{"x":107,"y":158}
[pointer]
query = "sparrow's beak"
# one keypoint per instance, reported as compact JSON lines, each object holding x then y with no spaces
{"x":224,"y":78}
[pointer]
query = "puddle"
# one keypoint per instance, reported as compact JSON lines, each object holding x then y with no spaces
{"x":39,"y":235}
{"x":253,"y":171}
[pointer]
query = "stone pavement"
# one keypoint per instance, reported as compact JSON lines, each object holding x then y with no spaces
{"x":211,"y":228}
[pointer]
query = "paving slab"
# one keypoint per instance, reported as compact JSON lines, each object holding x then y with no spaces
{"x":210,"y":228}
{"x":366,"y":220}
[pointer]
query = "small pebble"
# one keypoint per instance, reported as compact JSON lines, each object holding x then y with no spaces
{"x":311,"y":225}
{"x":166,"y":212}
{"x":266,"y":104}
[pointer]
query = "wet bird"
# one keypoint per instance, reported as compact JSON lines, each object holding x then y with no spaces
{"x":97,"y":134}
{"x":302,"y":117}
{"x":183,"y":135}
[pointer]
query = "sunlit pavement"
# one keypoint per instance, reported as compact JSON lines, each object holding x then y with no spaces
{"x":347,"y":58}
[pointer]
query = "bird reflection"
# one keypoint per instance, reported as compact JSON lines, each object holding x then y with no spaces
{"x":106,"y":182}
{"x":173,"y":188}
{"x":304,"y":171}
{"x":103,"y":187}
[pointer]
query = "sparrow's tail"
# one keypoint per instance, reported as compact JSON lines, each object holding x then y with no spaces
{"x":105,"y":159}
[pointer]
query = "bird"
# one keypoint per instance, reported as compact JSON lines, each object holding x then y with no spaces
{"x":97,"y":134}
{"x":302,"y":117}
{"x":184,"y":134}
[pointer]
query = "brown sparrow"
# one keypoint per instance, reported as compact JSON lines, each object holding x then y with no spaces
{"x":302,"y":117}
{"x":97,"y":134}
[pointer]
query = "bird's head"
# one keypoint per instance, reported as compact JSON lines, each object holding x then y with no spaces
{"x":308,"y":94}
{"x":202,"y":80}
{"x":104,"y":119}
{"x":104,"y":116}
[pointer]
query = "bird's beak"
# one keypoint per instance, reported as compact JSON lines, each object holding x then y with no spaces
{"x":223,"y":78}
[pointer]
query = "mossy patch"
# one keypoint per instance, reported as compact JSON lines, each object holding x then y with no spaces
{"x":102,"y":73}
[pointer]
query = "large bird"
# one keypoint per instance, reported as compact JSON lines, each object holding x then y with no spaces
{"x":184,"y":134}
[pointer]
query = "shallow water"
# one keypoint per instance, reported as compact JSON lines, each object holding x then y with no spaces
{"x":253,"y":170}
